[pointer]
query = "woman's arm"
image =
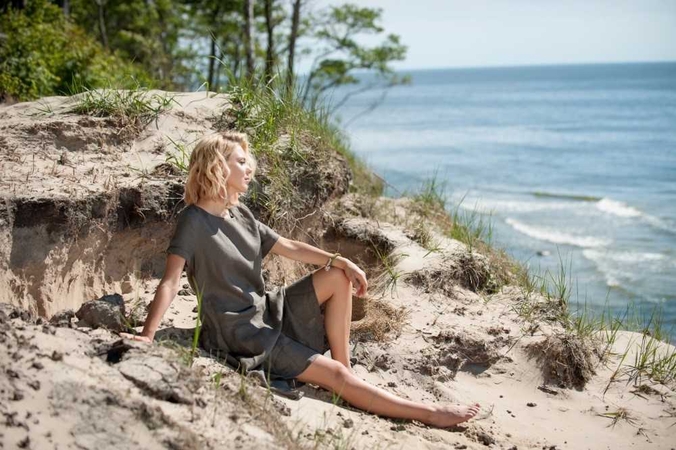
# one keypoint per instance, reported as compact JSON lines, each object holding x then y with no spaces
{"x":300,"y":251}
{"x":164,"y":295}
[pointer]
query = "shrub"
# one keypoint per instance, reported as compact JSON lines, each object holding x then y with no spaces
{"x":42,"y":53}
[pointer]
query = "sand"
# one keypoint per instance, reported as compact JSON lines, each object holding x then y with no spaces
{"x":456,"y":345}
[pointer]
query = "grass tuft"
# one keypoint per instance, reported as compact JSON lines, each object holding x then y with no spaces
{"x":297,"y":147}
{"x":568,"y":360}
{"x":380,"y":320}
{"x":198,"y":325}
{"x":133,"y":108}
{"x":622,"y":414}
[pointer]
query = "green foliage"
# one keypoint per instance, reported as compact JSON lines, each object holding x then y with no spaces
{"x":198,"y":324}
{"x":45,"y":54}
{"x":134,"y":106}
{"x":144,"y":32}
{"x":339,"y":54}
{"x":269,"y":111}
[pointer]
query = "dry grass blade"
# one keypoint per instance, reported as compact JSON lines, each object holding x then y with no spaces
{"x":379,"y":321}
{"x":617,"y":416}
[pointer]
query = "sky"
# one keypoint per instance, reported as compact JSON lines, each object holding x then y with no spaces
{"x":482,"y":33}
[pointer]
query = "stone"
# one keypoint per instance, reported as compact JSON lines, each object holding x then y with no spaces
{"x":106,"y":312}
{"x":62,"y":318}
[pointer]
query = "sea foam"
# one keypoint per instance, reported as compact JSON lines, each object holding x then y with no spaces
{"x":557,"y":237}
{"x":617,"y":208}
{"x":619,"y":267}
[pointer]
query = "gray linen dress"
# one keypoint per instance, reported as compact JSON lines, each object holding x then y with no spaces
{"x":277,"y":333}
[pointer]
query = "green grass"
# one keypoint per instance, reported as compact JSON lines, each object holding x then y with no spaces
{"x":198,"y":324}
{"x":621,"y":414}
{"x":134,"y":107}
{"x":546,"y":297}
{"x":469,"y":227}
{"x":287,"y":138}
{"x":390,"y":276}
{"x":180,"y":157}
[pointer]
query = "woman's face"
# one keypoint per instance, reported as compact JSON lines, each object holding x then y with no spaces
{"x":240,"y":171}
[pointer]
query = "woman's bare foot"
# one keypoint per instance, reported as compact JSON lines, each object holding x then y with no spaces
{"x":447,"y":416}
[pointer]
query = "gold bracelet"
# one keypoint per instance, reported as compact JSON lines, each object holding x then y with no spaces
{"x":330,"y":261}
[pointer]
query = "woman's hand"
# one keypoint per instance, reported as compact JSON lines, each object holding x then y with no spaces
{"x":357,"y":277}
{"x":137,"y":337}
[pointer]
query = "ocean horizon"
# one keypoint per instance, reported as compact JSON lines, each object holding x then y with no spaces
{"x":574,"y":164}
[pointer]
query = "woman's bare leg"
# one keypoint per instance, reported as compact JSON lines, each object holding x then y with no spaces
{"x":338,"y":378}
{"x":333,"y":288}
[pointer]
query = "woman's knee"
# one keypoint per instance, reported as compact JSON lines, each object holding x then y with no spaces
{"x":340,"y":375}
{"x":339,"y":279}
{"x":328,"y":283}
{"x":327,"y":373}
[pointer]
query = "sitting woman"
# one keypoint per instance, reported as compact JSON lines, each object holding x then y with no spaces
{"x":281,"y":333}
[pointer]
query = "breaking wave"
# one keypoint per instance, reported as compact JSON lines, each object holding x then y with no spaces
{"x":557,"y":237}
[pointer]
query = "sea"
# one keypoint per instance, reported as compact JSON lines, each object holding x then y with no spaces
{"x":574,"y":165}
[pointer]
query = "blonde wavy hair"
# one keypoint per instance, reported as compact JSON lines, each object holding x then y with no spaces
{"x":208,"y":170}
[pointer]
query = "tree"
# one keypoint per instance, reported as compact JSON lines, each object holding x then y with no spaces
{"x":270,"y":24}
{"x":340,"y":55}
{"x":293,"y":36}
{"x":249,"y":37}
{"x":44,"y":53}
{"x":145,"y":32}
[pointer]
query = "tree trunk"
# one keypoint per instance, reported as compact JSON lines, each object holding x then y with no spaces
{"x":66,"y":8}
{"x":270,"y":54}
{"x":14,"y":4}
{"x":217,"y":75}
{"x":102,"y":22}
{"x":212,"y":54}
{"x":236,"y":63}
{"x":295,"y":22}
{"x":248,"y":37}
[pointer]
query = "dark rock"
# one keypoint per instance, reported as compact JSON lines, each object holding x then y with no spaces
{"x":17,"y":396}
{"x":35,"y":384}
{"x":107,"y":312}
{"x":548,"y":390}
{"x":531,"y":404}
{"x":485,"y":438}
{"x":348,"y":423}
{"x":62,"y":319}
{"x":25,"y":443}
{"x":57,"y":356}
{"x":185,"y":292}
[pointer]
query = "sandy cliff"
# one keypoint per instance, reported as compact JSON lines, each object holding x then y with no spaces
{"x":87,"y":208}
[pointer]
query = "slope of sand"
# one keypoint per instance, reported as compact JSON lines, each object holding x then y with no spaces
{"x":84,"y":402}
{"x":76,"y":387}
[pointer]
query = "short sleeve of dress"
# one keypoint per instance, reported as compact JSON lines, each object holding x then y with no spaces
{"x":183,"y":241}
{"x":268,"y":238}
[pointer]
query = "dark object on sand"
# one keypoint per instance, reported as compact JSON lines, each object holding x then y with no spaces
{"x":107,"y":312}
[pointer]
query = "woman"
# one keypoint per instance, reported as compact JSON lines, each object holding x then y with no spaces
{"x":281,"y":333}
